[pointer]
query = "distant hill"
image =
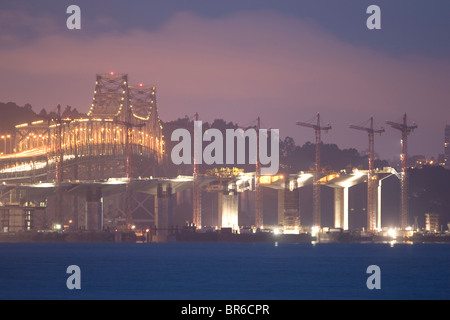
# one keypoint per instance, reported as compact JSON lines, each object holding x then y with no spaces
{"x":11,"y":115}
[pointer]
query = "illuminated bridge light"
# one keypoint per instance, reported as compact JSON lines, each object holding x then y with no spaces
{"x":327,"y":178}
{"x":304,"y":177}
{"x":269,"y":179}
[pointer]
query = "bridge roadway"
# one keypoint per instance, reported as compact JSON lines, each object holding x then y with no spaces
{"x":21,"y":200}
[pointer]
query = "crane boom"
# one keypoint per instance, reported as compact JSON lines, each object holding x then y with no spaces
{"x":368,"y":130}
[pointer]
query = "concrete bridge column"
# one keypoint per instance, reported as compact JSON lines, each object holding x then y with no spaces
{"x":228,"y":205}
{"x":288,"y":210}
{"x":163,"y":211}
{"x":378,"y":224}
{"x":94,"y":209}
{"x":281,"y":206}
{"x":341,"y":207}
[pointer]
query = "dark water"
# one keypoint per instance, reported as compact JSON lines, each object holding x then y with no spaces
{"x":231,"y":271}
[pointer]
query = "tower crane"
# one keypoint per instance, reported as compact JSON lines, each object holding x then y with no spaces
{"x":405,"y":130}
{"x":197,"y":208}
{"x":371,"y":180}
{"x":316,"y":186}
{"x":196,"y":191}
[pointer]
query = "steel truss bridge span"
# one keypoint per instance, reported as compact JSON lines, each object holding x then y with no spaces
{"x":122,"y":125}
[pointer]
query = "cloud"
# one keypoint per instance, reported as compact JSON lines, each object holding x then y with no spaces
{"x":17,"y":27}
{"x":239,"y":67}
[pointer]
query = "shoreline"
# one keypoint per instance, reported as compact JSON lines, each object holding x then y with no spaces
{"x":131,"y":237}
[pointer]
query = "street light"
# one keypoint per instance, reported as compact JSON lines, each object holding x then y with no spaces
{"x":4,"y":137}
{"x":9,"y":137}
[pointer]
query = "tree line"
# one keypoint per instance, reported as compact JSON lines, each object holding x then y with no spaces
{"x":13,"y":114}
{"x":293,"y":158}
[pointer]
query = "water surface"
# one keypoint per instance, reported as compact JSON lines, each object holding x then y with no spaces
{"x":230,"y":271}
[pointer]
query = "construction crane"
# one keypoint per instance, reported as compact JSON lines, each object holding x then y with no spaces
{"x":196,"y":190}
{"x":197,"y":208}
{"x":405,"y":130}
{"x":371,"y":180}
{"x":258,"y":190}
{"x":316,"y":185}
{"x":258,"y":195}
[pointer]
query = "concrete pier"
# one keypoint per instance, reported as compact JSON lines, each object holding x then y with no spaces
{"x":94,"y":209}
{"x":228,"y":209}
{"x":341,"y":207}
{"x":288,"y":210}
{"x":163,"y":212}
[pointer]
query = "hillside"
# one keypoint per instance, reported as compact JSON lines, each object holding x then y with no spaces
{"x":12,"y":114}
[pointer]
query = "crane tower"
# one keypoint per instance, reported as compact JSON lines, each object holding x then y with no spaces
{"x":316,"y":185}
{"x":372,"y":178}
{"x":405,"y":130}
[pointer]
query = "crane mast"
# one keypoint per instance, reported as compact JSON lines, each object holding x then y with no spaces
{"x":197,"y":213}
{"x":258,"y":200}
{"x":316,"y":185}
{"x":405,"y":131}
{"x":371,"y":179}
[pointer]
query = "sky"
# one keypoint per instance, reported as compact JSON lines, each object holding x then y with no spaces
{"x":283,"y":61}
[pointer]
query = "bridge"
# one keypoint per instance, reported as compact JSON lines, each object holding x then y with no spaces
{"x":108,"y":170}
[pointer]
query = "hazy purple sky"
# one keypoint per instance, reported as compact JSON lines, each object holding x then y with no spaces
{"x":281,"y":60}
